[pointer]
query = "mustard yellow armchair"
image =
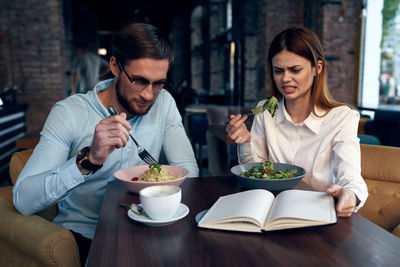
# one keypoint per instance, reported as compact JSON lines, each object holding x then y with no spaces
{"x":380,"y":168}
{"x":32,"y":240}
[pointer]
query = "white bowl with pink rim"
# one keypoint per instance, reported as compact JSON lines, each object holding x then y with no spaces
{"x":125,"y":176}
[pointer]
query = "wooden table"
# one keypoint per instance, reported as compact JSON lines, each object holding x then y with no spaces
{"x":120,"y":241}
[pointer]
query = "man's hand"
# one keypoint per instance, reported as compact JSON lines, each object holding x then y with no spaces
{"x":347,"y":200}
{"x":110,"y":133}
{"x":237,"y":130}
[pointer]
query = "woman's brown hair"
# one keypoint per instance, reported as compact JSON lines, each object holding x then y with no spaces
{"x":306,"y":44}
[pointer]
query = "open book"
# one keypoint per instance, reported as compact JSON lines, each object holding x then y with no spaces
{"x":257,"y":210}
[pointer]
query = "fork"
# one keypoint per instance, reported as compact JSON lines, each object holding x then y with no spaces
{"x":143,"y":154}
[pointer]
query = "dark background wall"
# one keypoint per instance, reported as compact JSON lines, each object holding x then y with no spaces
{"x":34,"y":54}
{"x":38,"y":40}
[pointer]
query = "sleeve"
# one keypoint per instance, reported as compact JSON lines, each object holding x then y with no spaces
{"x":256,"y":150}
{"x":347,"y":158}
{"x":176,"y":144}
{"x":49,"y":175}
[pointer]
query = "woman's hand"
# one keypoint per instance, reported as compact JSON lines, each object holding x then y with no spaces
{"x":110,"y":133}
{"x":237,"y":130}
{"x":347,"y":200}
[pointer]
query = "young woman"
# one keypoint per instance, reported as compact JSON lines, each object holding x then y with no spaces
{"x":310,"y":129}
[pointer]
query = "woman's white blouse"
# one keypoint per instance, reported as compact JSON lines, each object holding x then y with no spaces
{"x":326,"y":147}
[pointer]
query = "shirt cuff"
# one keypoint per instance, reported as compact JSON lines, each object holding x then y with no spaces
{"x":244,"y":153}
{"x":71,"y":176}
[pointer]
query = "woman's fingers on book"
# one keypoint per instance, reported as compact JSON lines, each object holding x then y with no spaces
{"x":346,"y":203}
{"x":346,"y":211}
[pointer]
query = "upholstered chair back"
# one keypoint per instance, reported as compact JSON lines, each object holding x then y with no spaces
{"x":381,"y":171}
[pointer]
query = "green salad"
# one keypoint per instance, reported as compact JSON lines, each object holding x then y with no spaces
{"x":267,"y":172}
{"x":271,"y":105}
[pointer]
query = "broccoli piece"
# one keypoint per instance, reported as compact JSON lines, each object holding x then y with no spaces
{"x":156,"y":166}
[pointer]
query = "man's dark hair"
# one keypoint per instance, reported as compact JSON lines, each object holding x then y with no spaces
{"x":141,"y":40}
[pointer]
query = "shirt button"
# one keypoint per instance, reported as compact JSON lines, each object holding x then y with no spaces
{"x":74,"y":181}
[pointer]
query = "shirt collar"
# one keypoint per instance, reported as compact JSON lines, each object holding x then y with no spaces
{"x":94,"y":98}
{"x":103,"y":85}
{"x":312,"y":122}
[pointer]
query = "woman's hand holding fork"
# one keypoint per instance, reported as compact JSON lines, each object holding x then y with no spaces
{"x":237,"y":130}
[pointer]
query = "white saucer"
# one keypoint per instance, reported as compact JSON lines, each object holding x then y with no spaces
{"x":182,"y":211}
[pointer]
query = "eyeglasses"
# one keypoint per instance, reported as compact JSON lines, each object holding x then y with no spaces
{"x":139,"y":83}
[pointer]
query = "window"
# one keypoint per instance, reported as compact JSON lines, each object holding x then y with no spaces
{"x":380,"y":55}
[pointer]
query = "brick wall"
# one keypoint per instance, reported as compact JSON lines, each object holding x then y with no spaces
{"x":33,"y":55}
{"x":196,"y":41}
{"x":217,"y":22}
{"x":279,"y":16}
{"x":340,"y":39}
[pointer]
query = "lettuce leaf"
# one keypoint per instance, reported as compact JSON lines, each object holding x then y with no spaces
{"x":271,"y":105}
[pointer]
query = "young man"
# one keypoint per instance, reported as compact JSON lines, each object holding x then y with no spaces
{"x":81,"y":145}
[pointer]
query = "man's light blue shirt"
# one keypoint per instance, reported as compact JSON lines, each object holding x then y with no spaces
{"x":51,"y":175}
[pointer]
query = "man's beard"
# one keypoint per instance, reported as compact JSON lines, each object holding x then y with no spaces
{"x":125,"y":103}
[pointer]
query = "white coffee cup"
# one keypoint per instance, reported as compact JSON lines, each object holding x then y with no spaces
{"x":160,"y":202}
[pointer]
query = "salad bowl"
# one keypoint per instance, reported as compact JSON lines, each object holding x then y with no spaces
{"x":268,"y":184}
